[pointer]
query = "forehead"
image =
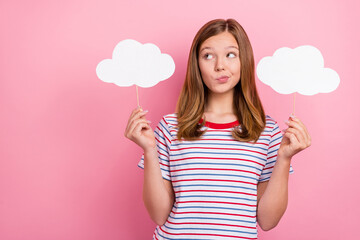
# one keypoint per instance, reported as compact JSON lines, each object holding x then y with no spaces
{"x":221,"y":40}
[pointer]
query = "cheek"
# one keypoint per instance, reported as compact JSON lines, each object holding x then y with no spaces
{"x":205,"y":68}
{"x":235,"y":68}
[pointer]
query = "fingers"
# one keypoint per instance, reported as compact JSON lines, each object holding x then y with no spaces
{"x":292,"y":137}
{"x":136,"y":114}
{"x":307,"y":135}
{"x":297,"y":120}
{"x":299,"y":130}
{"x":135,"y":111}
{"x":137,"y":125}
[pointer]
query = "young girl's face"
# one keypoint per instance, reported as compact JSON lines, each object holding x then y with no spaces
{"x":219,"y":62}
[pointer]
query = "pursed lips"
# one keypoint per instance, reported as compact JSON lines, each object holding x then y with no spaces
{"x":222,"y":78}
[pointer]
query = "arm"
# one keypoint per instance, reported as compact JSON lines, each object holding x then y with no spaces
{"x":158,"y":193}
{"x":273,"y":194}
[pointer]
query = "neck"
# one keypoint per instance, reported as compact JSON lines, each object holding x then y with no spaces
{"x":220,"y":104}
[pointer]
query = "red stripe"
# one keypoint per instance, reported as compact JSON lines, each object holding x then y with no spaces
{"x":274,"y":145}
{"x":223,"y":180}
{"x":156,"y":237}
{"x":213,"y":139}
{"x":237,"y":149}
{"x":268,"y":168}
{"x":164,"y":164}
{"x":164,"y":134}
{"x":218,"y":130}
{"x":250,"y":194}
{"x":220,"y":139}
{"x":157,"y":140}
{"x":217,"y":202}
{"x":276,"y":134}
{"x":219,"y":169}
{"x":272,"y":157}
{"x":220,"y":224}
{"x":162,"y":154}
{"x":204,"y":234}
{"x":191,"y":158}
{"x":221,"y":213}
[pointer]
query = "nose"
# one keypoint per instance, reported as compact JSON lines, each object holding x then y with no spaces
{"x":219,"y":65}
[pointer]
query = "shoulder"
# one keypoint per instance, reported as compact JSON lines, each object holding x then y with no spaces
{"x":269,"y":121}
{"x":168,"y":125}
{"x":170,"y":119}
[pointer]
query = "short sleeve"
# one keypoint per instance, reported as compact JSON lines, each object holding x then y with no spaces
{"x":273,"y":147}
{"x":163,"y":143}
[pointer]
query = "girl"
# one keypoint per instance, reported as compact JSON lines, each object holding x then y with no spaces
{"x":219,"y":165}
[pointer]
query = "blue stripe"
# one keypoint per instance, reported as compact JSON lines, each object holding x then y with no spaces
{"x":163,"y":127}
{"x":273,"y":140}
{"x":221,"y":153}
{"x":211,"y":174}
{"x":236,"y":209}
{"x":205,"y":163}
{"x":269,"y":163}
{"x":247,"y":199}
{"x":271,"y":122}
{"x":209,"y":229}
{"x":157,"y":231}
{"x":208,"y":185}
{"x":211,"y":218}
{"x":265,"y":179}
{"x":265,"y":139}
{"x":160,"y":136}
{"x":225,"y":144}
{"x":159,"y":146}
{"x":271,"y":152}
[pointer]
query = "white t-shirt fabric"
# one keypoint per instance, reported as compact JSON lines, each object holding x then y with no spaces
{"x":214,"y":179}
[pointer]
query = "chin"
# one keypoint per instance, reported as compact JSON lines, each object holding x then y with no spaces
{"x":220,"y":91}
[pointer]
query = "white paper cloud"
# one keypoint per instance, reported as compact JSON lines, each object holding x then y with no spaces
{"x":134,"y":63}
{"x":297,"y":70}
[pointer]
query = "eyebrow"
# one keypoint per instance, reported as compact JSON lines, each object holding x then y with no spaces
{"x":212,"y":48}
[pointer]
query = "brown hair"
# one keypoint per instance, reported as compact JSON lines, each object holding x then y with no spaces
{"x":194,"y":94}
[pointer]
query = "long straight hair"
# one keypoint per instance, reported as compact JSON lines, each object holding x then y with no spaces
{"x":194,"y":94}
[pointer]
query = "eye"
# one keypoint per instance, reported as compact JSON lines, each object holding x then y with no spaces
{"x":231,"y":55}
{"x":208,"y":56}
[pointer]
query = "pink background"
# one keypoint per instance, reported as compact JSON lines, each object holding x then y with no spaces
{"x":68,"y":172}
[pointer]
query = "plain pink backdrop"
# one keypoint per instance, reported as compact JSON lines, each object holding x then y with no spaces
{"x":66,"y":170}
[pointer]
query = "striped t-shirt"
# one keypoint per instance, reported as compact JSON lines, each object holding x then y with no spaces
{"x":214,"y":179}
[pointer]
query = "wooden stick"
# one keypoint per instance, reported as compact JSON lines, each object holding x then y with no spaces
{"x":294,"y":104}
{"x":137,"y":95}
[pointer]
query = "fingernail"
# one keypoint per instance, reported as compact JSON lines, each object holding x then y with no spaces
{"x":145,"y":110}
{"x":148,"y":121}
{"x":287,"y":122}
{"x":292,"y":116}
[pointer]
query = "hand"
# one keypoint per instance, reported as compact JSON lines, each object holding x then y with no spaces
{"x":139,"y":131}
{"x":295,"y":139}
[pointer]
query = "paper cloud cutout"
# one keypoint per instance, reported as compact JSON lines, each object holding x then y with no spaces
{"x":134,"y":63}
{"x":297,"y":70}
